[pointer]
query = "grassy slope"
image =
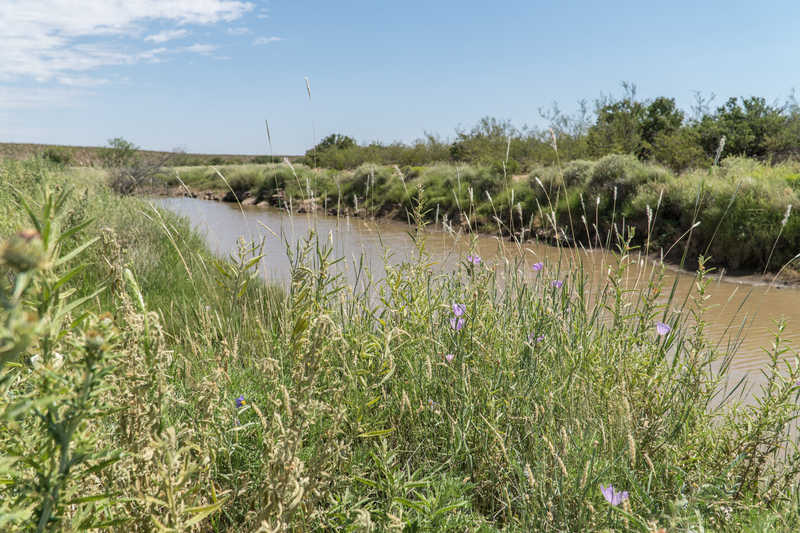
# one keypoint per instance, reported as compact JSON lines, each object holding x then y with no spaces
{"x":508,"y":434}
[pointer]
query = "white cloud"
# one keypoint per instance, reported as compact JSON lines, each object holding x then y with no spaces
{"x":167,"y":35}
{"x":267,"y":40}
{"x":81,"y":81}
{"x":238,"y":31}
{"x":44,"y":39}
{"x":204,"y":49}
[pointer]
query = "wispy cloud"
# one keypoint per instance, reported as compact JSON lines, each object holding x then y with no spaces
{"x":238,"y":31}
{"x":204,"y":49}
{"x":167,"y":36}
{"x":40,"y":37}
{"x":267,"y":40}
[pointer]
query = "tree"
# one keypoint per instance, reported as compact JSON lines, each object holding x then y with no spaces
{"x":750,"y":129}
{"x":629,"y":126}
{"x":119,"y":153}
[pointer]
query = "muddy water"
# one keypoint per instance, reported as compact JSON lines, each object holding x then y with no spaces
{"x":743,"y":315}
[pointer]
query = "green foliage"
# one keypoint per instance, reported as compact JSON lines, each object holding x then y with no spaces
{"x":752,"y":129}
{"x":60,"y":155}
{"x":119,"y":153}
{"x":265,"y":159}
{"x":335,"y":406}
{"x":628,"y":126}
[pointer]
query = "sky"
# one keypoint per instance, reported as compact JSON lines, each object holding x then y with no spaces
{"x":204,"y":75}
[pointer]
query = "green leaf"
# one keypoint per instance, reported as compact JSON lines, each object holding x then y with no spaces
{"x":204,"y":511}
{"x":103,"y":525}
{"x":377,"y":433}
{"x":74,"y":230}
{"x":253,"y":261}
{"x":409,"y":503}
{"x":367,"y":482}
{"x":68,"y":276}
{"x":76,"y":251}
{"x":449,"y":508}
{"x":640,"y":525}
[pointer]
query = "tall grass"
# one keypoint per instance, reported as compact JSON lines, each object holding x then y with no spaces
{"x":494,"y":397}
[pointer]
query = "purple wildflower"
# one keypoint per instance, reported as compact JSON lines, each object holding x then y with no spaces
{"x":475,"y":259}
{"x":614,"y":498}
{"x":662,"y":329}
{"x":457,"y":323}
{"x":533,"y":339}
{"x":450,"y":357}
{"x":537,"y":266}
{"x":459,"y":309}
{"x":240,"y":401}
{"x":556,"y":283}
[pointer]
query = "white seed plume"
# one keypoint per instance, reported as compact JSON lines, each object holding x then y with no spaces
{"x":615,"y":194}
{"x":787,"y":215}
{"x":437,"y":214}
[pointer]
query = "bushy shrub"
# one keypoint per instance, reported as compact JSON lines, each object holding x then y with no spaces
{"x":577,"y":173}
{"x":60,"y":155}
{"x":265,"y":159}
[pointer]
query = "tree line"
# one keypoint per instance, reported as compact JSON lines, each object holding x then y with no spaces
{"x":653,"y":130}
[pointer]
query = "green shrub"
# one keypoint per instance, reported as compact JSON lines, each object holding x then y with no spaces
{"x":265,"y":159}
{"x":577,"y":173}
{"x":60,"y":155}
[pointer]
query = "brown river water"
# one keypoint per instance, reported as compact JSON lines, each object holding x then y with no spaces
{"x":743,"y":316}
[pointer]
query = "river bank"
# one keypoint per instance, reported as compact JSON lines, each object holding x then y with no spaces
{"x":785,"y":278}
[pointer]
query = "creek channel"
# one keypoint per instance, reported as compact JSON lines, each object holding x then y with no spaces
{"x":742,"y":318}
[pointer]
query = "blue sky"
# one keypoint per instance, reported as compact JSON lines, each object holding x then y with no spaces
{"x":204,"y":74}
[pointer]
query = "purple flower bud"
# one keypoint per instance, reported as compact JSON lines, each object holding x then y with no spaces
{"x":474,"y":259}
{"x":662,"y":329}
{"x":456,"y":323}
{"x":556,"y":283}
{"x":450,"y":357}
{"x":537,"y":266}
{"x":459,"y":309}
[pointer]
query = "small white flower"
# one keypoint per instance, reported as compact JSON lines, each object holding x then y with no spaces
{"x":36,"y":361}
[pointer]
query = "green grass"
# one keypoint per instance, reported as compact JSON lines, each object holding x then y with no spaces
{"x":354,"y":416}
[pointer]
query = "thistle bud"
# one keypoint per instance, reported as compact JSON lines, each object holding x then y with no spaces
{"x":24,"y":251}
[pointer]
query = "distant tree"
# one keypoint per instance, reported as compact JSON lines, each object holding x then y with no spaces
{"x":486,"y":142}
{"x":119,"y":153}
{"x":630,"y":126}
{"x":334,"y":151}
{"x":337,"y":142}
{"x":58,"y":154}
{"x":752,"y":128}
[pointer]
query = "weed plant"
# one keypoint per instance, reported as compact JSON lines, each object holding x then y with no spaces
{"x":184,"y":394}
